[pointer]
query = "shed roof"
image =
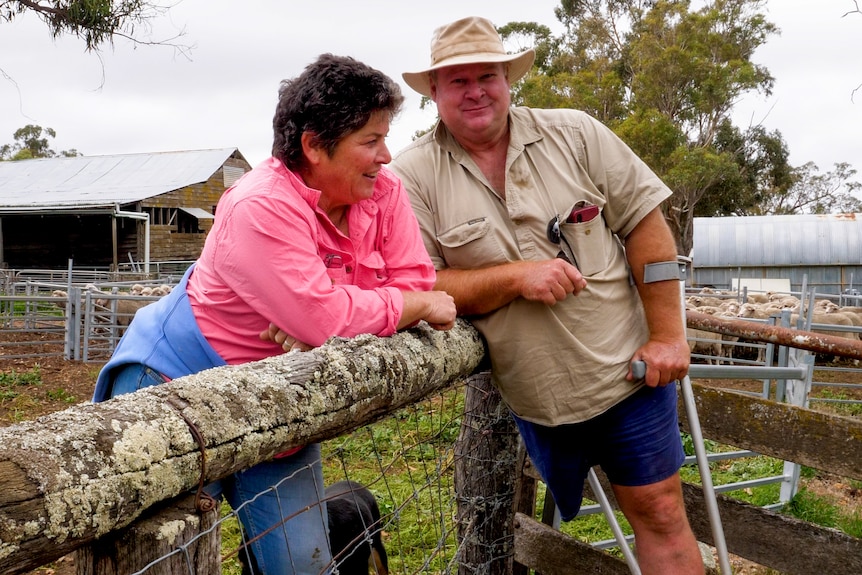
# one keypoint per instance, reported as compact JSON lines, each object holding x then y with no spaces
{"x":792,"y":240}
{"x":103,"y":181}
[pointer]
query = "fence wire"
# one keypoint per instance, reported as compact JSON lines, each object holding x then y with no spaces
{"x":407,"y":462}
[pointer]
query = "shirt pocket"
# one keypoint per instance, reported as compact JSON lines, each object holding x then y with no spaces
{"x":593,"y":244}
{"x":371,"y":270}
{"x":336,"y":267}
{"x":470,"y":245}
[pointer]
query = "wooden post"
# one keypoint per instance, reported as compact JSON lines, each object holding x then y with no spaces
{"x":187,"y":541}
{"x":485,"y":455}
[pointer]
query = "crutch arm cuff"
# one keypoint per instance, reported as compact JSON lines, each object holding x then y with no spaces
{"x":663,"y":271}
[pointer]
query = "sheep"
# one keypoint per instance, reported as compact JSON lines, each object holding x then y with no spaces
{"x":753,"y":311}
{"x":704,"y":343}
{"x":701,"y":301}
{"x":830,"y":319}
{"x":709,"y":309}
{"x":730,"y":306}
{"x":829,"y":307}
{"x":729,"y":341}
{"x":853,"y":311}
{"x":775,"y":296}
{"x":757,"y":298}
{"x":354,"y":517}
{"x":125,"y":309}
{"x":62,"y":298}
{"x":161,"y":290}
{"x":757,"y":312}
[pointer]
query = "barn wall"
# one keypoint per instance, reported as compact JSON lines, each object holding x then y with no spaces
{"x":50,"y":240}
{"x":822,"y":250}
{"x":168,"y":242}
{"x":825,"y":279}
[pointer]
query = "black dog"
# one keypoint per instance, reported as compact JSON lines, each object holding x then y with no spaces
{"x":354,"y":515}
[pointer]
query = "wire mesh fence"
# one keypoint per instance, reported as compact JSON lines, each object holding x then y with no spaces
{"x":407,"y":463}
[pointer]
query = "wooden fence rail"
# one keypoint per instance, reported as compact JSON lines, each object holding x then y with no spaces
{"x":791,"y":546}
{"x":72,"y":476}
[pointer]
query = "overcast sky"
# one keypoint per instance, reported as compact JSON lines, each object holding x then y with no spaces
{"x":134,"y":99}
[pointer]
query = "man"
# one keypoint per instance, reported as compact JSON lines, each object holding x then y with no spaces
{"x":564,"y":307}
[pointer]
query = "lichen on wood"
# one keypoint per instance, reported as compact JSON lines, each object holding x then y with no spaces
{"x":75,"y":475}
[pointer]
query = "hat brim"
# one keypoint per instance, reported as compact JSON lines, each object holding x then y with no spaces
{"x":519,"y":65}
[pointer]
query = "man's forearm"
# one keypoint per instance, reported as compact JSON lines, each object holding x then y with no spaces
{"x":479,"y":291}
{"x":651,"y":241}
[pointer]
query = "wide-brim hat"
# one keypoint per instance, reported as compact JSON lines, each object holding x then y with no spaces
{"x":470,"y":40}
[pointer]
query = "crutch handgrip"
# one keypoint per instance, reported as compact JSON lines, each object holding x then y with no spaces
{"x":639,"y":369}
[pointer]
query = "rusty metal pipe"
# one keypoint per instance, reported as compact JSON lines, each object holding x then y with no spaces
{"x":810,"y":341}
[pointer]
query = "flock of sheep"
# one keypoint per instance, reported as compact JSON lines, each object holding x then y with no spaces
{"x":121,"y":306}
{"x":762,"y":306}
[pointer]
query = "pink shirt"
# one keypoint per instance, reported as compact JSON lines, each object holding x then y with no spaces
{"x":274,"y":256}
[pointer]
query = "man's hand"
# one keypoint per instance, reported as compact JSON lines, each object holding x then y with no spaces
{"x":483,"y":290}
{"x":286,"y":341}
{"x":665,"y":362}
{"x":550,"y":281}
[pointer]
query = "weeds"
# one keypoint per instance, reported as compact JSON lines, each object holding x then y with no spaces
{"x":11,"y":381}
{"x":812,"y":508}
{"x":839,"y":402}
{"x":62,"y":395}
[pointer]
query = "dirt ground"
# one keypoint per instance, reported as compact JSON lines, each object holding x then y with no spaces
{"x":66,"y":383}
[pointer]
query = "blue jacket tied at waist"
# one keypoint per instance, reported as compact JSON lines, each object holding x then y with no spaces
{"x":165,"y":337}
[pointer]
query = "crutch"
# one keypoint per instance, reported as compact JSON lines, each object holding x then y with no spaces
{"x":639,"y":371}
{"x":605,"y":504}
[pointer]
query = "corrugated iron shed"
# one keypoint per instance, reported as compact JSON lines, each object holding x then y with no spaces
{"x":793,"y":240}
{"x":820,"y":251}
{"x":102,"y":181}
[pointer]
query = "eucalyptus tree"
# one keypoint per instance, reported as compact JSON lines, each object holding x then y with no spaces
{"x":665,"y":77}
{"x":96,"y":22}
{"x":813,"y":192}
{"x":31,"y":142}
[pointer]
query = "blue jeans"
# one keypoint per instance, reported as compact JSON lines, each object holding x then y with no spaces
{"x":279,"y":502}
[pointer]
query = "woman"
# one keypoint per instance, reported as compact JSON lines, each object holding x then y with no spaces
{"x":317,"y":241}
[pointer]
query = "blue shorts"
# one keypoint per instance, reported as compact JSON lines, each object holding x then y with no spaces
{"x":636,"y":442}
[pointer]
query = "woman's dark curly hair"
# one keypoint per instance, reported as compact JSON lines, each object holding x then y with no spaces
{"x":333,"y":97}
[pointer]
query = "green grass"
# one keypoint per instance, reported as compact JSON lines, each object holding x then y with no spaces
{"x":62,"y":395}
{"x":31,"y":308}
{"x":407,"y":461}
{"x":836,"y":406}
{"x":822,"y":510}
{"x":813,"y":509}
{"x":10,"y":382}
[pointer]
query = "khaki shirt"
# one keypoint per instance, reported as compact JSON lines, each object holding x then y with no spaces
{"x":553,"y":364}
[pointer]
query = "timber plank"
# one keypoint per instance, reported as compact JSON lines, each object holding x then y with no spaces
{"x":550,"y":552}
{"x":824,"y":441}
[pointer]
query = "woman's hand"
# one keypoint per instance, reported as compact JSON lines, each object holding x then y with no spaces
{"x":286,"y":341}
{"x":436,"y":307}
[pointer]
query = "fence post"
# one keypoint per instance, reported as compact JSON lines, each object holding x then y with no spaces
{"x":175,"y":540}
{"x":485,"y":477}
{"x":76,"y":315}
